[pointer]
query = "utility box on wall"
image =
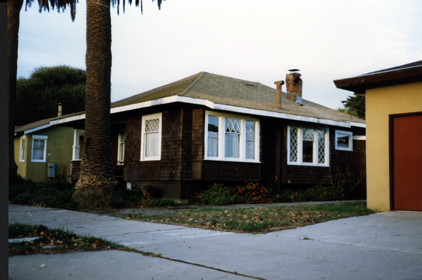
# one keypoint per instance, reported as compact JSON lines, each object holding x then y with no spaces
{"x":51,"y":169}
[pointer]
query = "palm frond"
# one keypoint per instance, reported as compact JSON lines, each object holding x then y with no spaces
{"x":138,"y":3}
{"x":60,"y":5}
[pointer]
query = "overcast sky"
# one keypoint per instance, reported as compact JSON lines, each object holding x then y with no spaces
{"x":256,"y":40}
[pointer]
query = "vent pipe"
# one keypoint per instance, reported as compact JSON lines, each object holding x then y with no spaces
{"x":278,"y":94}
{"x":59,"y":110}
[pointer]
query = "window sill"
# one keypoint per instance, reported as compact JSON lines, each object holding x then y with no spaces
{"x":232,"y":160}
{"x":308,"y":164}
{"x":151,"y":159}
{"x":344,"y":149}
{"x":40,"y":161}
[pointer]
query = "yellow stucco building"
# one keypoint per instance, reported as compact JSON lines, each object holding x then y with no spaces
{"x":393,"y":135}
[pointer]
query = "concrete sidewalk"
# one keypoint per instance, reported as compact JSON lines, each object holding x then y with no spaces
{"x":380,"y":246}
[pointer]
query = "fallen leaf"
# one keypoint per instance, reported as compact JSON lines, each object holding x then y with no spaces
{"x":42,"y":266}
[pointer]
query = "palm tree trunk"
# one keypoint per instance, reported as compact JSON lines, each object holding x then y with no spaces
{"x":13,"y":11}
{"x":96,"y":181}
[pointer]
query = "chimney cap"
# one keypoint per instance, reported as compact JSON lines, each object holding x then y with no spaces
{"x":294,"y":70}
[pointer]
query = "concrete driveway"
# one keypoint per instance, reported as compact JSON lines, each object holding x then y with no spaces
{"x":379,"y":246}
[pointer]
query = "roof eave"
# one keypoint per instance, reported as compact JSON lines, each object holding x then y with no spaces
{"x":380,"y":79}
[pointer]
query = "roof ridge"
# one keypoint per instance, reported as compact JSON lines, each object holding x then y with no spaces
{"x":188,"y":88}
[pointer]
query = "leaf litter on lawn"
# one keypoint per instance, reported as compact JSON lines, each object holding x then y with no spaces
{"x":258,"y":219}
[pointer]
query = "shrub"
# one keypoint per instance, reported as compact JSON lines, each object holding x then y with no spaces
{"x":315,"y":193}
{"x":152,"y":192}
{"x":161,"y":202}
{"x":124,"y":198}
{"x":47,"y":194}
{"x":353,"y":186}
{"x":253,"y":192}
{"x":218,"y":194}
{"x":288,"y":195}
{"x":324,"y":193}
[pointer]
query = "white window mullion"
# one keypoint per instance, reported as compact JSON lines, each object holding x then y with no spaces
{"x":327,"y":147}
{"x":221,"y":137}
{"x":257,"y":133}
{"x":242,"y":144}
{"x":315,"y":148}
{"x":75,"y":146}
{"x":299,"y":145}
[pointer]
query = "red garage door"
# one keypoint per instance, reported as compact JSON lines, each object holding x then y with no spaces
{"x":407,"y":162}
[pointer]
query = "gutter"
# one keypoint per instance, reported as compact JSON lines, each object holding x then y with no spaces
{"x":214,"y":106}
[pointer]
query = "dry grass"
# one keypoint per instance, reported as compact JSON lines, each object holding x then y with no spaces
{"x":258,"y":220}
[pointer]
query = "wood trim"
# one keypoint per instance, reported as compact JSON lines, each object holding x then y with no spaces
{"x":391,"y":158}
{"x":383,"y":78}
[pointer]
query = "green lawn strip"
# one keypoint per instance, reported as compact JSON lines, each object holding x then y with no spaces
{"x":53,"y":241}
{"x":258,"y":220}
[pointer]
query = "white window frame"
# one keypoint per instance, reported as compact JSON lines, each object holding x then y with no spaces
{"x":342,"y":133}
{"x":22,"y":148}
{"x":75,"y":147}
{"x":43,"y":138}
{"x":121,"y":148}
{"x":314,"y":149}
{"x":160,"y":129}
{"x":221,"y":137}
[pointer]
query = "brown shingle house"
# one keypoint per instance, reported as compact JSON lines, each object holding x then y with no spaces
{"x":206,"y":128}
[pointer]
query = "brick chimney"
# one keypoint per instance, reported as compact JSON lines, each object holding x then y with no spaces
{"x":294,"y":85}
{"x":278,"y":94}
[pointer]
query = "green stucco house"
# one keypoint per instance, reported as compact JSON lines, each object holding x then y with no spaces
{"x":44,"y":152}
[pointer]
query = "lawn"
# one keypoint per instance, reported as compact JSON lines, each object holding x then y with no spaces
{"x":258,"y":220}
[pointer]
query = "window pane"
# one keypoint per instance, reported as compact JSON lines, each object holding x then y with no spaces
{"x":152,"y":141}
{"x":151,"y":145}
{"x":308,"y":145}
{"x":293,"y":144}
{"x":321,"y":146}
{"x":343,"y":141}
{"x":308,"y":134}
{"x":250,"y":140}
{"x":121,"y":147}
{"x":308,"y":151}
{"x":152,"y":125}
{"x":38,"y":149}
{"x":22,"y":150}
{"x":232,"y":140}
{"x":212,"y":136}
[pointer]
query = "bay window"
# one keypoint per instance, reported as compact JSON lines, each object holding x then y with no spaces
{"x":307,"y":146}
{"x":231,"y":137}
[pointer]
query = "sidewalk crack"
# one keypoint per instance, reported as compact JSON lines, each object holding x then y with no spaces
{"x":213,"y":268}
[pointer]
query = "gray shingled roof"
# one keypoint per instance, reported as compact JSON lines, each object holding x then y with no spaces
{"x":235,"y":92}
{"x":19,"y":129}
{"x":219,"y":90}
